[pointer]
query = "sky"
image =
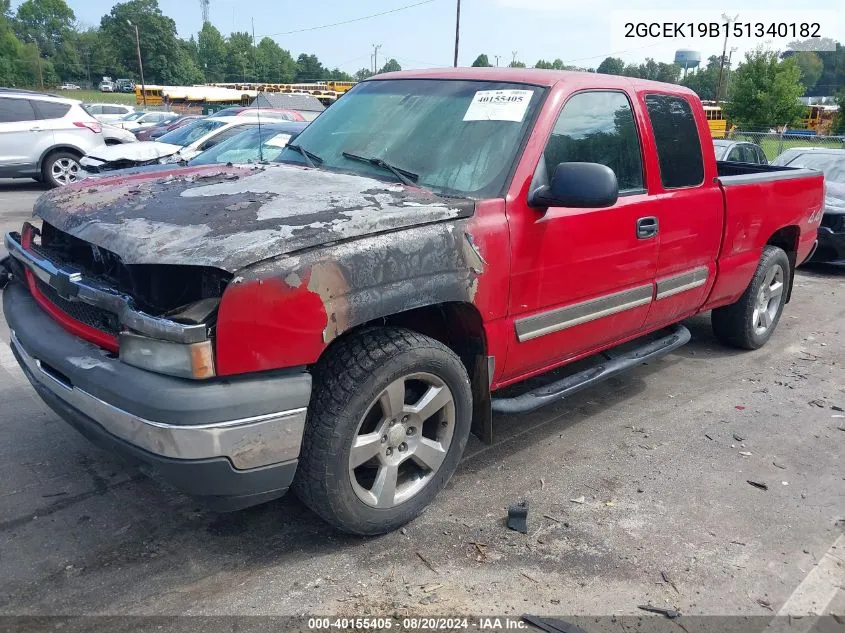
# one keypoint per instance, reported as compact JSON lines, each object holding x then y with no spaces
{"x":580,"y":32}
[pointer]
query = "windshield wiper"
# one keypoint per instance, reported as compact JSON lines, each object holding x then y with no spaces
{"x":310,"y":157}
{"x":405,"y":177}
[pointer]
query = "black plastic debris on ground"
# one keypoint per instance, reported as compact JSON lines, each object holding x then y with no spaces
{"x":552,"y":625}
{"x":758,"y":484}
{"x":518,"y":517}
{"x":669,"y":613}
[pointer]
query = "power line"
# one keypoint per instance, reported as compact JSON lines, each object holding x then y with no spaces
{"x":365,"y":17}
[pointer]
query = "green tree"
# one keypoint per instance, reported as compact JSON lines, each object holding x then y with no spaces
{"x":363,"y":74}
{"x":211,"y":53}
{"x":839,"y":121}
{"x":308,"y":69}
{"x":832,"y":78}
{"x":160,"y":49}
{"x":98,"y":56}
{"x":338,"y":75}
{"x":275,"y":64}
{"x":481,"y":62}
{"x":240,"y":58}
{"x":543,"y":64}
{"x":810,"y":65}
{"x":391,"y":66}
{"x":764,"y":92}
{"x":611,"y":66}
{"x":48,"y":22}
{"x":703,"y":82}
{"x":516,"y":64}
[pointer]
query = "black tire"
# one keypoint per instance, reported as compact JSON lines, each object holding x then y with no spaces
{"x":734,"y":325}
{"x":347,"y":382}
{"x":47,"y":173}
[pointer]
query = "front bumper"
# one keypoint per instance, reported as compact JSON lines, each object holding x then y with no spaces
{"x":234,"y":442}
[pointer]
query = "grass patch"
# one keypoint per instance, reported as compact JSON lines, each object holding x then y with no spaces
{"x":95,"y":96}
{"x":774,"y":146}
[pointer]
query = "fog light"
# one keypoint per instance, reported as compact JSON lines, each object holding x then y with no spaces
{"x":195,"y":360}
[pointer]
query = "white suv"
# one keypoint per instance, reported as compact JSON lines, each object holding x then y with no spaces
{"x":44,"y":137}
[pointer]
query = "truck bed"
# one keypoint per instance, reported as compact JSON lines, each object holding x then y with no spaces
{"x":760,"y":202}
{"x":734,"y":173}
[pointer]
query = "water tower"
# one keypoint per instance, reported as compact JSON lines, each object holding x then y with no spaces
{"x":687,"y":58}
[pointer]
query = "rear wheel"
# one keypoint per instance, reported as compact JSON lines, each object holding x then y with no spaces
{"x":750,"y":322}
{"x":61,"y":169}
{"x":388,"y":423}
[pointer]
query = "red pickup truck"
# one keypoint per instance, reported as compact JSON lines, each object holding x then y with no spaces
{"x":340,"y":322}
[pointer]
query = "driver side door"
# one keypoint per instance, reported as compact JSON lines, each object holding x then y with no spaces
{"x":583,"y":278}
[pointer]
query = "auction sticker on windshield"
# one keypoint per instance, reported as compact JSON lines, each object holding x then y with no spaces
{"x":498,"y":105}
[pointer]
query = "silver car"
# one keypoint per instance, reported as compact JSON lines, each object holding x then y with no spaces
{"x":44,"y":137}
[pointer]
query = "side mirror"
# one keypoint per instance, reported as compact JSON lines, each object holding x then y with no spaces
{"x":579,"y":185}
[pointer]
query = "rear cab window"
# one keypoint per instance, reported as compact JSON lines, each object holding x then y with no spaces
{"x":677,"y":140}
{"x":598,"y":127}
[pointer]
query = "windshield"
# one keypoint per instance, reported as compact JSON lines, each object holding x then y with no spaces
{"x":243,"y":148}
{"x":133,"y":115}
{"x":832,"y":166}
{"x":459,"y":137}
{"x":187,"y":134}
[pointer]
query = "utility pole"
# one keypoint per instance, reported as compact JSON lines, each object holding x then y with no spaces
{"x":730,"y":70}
{"x":513,"y":61}
{"x":457,"y":32}
{"x":375,"y":57}
{"x":728,"y":21}
{"x":497,"y":60}
{"x":140,"y":63}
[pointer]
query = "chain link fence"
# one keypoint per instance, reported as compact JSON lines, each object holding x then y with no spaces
{"x":775,"y":143}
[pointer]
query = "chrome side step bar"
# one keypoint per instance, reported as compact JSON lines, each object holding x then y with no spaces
{"x":587,"y":378}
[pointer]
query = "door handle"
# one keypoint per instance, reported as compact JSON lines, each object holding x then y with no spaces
{"x":36,"y":129}
{"x":647,"y":227}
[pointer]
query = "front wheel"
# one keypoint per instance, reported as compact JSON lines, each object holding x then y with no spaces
{"x":388,"y":423}
{"x":61,"y":169}
{"x":750,"y":322}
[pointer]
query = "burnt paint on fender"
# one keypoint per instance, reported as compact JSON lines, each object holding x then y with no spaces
{"x":286,"y":311}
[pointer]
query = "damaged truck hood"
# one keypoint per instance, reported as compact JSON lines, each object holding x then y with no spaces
{"x":231,"y":217}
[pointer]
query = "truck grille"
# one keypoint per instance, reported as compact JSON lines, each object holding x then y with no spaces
{"x":89,"y":315}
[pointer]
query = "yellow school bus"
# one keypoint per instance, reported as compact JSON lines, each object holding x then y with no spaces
{"x":716,"y":121}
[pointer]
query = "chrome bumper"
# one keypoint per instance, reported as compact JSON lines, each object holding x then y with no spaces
{"x":71,"y":285}
{"x":246,"y":442}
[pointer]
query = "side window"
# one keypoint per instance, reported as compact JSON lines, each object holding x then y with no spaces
{"x":51,"y":110}
{"x":598,"y":127}
{"x":16,"y":110}
{"x":676,"y":137}
{"x":113,"y":110}
{"x":94,"y":109}
{"x":734,"y":156}
{"x":761,"y":157}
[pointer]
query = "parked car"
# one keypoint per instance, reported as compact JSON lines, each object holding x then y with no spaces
{"x":140,"y":118}
{"x":113,"y":135}
{"x":106,"y":86}
{"x":69,"y":87}
{"x":124,"y":85}
{"x":739,"y":152}
{"x":263,"y":143}
{"x":341,"y":321}
{"x":108,"y":112}
{"x":43,"y":137}
{"x":270,"y":113}
{"x":832,"y":163}
{"x":180,"y":145}
{"x":243,"y":148}
{"x":153,"y":132}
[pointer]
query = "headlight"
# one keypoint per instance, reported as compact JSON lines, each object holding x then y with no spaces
{"x":195,"y":360}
